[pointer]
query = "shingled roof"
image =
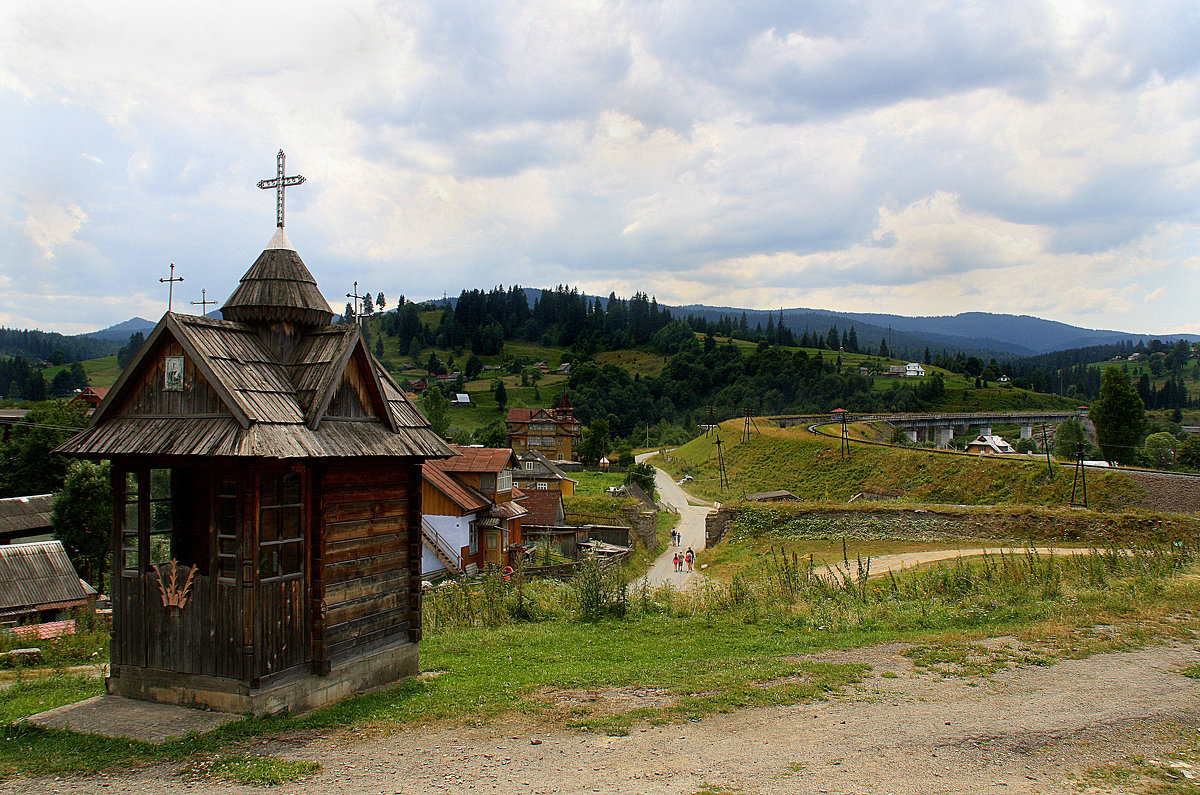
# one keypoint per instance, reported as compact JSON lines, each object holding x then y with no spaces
{"x":263,"y":402}
{"x":278,"y":286}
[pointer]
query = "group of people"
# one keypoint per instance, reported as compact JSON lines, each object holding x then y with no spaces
{"x":687,"y":558}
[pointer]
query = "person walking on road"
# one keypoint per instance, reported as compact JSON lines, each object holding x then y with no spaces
{"x":676,"y":561}
{"x":690,"y":557}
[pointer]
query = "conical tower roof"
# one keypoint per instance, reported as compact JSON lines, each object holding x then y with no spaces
{"x":278,"y":287}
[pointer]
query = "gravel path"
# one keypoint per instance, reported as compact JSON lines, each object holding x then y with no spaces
{"x":1028,"y":730}
{"x":691,"y":526}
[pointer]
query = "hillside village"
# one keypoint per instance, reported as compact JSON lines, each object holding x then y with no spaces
{"x":726,"y":399}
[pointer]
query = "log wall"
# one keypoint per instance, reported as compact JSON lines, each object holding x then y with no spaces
{"x":366,"y":550}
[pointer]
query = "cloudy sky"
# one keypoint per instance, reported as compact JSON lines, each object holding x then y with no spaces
{"x":917,"y":158}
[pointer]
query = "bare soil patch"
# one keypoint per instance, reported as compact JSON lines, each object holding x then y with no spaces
{"x":1060,"y":728}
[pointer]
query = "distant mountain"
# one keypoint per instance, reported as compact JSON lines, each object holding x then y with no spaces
{"x":981,"y":334}
{"x":121,"y":331}
{"x":1025,"y":331}
{"x":973,"y":333}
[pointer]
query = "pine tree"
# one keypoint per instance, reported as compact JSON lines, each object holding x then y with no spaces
{"x":1119,"y":416}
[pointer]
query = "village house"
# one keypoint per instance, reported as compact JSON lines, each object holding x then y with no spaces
{"x":92,"y":396}
{"x":266,"y":472}
{"x":914,"y":370}
{"x":544,"y":508}
{"x":536,"y":472}
{"x":552,"y":432}
{"x":471,"y":515}
{"x":26,"y":518}
{"x":990,"y":445}
{"x":38,"y":585}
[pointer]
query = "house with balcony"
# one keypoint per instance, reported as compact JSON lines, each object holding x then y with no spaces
{"x":552,"y":432}
{"x":470,"y":516}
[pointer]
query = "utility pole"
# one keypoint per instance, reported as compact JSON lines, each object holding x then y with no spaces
{"x":722,"y":474}
{"x":1080,"y":478}
{"x":712,"y":422}
{"x":1046,"y":447}
{"x":749,"y":423}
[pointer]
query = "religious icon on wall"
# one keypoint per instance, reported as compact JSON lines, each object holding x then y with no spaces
{"x":173,"y":374}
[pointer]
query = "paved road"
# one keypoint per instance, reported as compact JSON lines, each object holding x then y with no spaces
{"x":691,"y":525}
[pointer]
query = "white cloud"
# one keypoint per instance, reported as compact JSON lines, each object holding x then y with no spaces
{"x":865,"y":156}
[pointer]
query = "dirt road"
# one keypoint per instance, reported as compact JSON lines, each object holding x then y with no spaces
{"x":1033,"y":729}
{"x":691,"y":526}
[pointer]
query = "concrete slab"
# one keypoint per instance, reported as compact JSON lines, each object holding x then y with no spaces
{"x":114,"y":716}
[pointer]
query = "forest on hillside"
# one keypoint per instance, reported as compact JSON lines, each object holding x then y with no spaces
{"x":700,"y":371}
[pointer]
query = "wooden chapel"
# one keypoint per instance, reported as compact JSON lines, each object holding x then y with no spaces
{"x":266,"y":475}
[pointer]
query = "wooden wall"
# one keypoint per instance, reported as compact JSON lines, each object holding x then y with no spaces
{"x":149,"y":397}
{"x":366,"y":548}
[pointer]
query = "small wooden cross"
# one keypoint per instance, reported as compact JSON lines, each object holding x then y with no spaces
{"x":203,"y":303}
{"x":171,"y":285}
{"x":279,"y":183}
{"x":357,"y":298}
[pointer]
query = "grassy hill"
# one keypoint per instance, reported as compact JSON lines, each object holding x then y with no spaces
{"x":533,"y":390}
{"x":812,"y":468}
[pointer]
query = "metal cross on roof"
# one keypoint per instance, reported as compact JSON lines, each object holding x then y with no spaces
{"x":279,"y":183}
{"x":203,"y":303}
{"x":354,"y":295}
{"x":171,"y":285}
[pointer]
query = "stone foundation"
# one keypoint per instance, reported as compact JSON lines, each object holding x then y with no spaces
{"x":295,"y":693}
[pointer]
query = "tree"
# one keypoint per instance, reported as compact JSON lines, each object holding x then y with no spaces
{"x":625,"y":458}
{"x":473,"y":367}
{"x":1160,"y":449}
{"x":125,"y":355}
{"x":501,"y":396}
{"x":643,"y":476}
{"x":82,"y":518}
{"x":1119,"y":416}
{"x":494,"y":434}
{"x":26,"y":464}
{"x":1067,"y":438}
{"x":379,"y":302}
{"x":595,"y":442}
{"x":436,"y":408}
{"x":1189,"y":452}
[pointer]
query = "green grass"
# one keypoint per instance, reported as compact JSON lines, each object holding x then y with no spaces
{"x":100,"y":372}
{"x":254,"y":771}
{"x":33,"y":693}
{"x":596,"y":483}
{"x":676,"y":657}
{"x":813,"y":469}
{"x":1192,"y":671}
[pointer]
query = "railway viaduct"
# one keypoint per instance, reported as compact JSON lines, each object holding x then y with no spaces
{"x":940,"y":428}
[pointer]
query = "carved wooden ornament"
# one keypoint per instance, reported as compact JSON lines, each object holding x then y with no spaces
{"x":172,"y":594}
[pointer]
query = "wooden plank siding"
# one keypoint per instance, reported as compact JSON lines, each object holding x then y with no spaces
{"x":149,"y":398}
{"x":366,"y":553}
{"x":353,"y":398}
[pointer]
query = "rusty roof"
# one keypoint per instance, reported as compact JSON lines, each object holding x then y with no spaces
{"x":465,"y":497}
{"x":545,"y":506}
{"x":38,"y":576}
{"x":479,"y":459}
